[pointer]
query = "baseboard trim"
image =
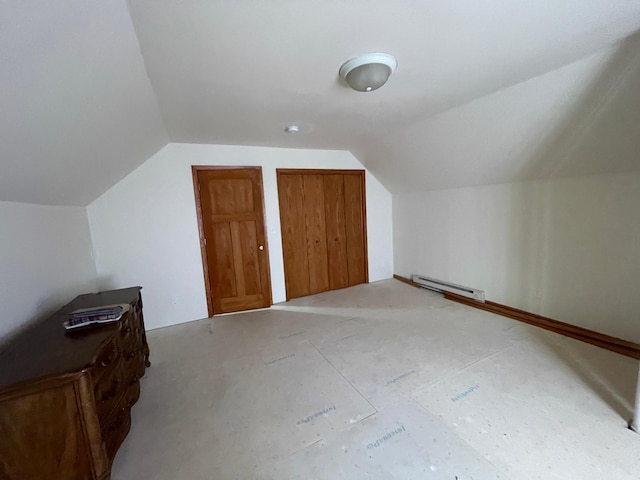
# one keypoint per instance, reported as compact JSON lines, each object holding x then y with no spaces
{"x":613,"y":344}
{"x":406,"y":280}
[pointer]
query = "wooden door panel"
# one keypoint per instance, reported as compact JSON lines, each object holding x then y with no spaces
{"x":353,"y":205}
{"x":236,"y":304}
{"x":238,"y":260}
{"x":316,"y":233}
{"x":248,"y":241}
{"x":231,"y":196}
{"x":232,"y":218}
{"x":220,"y":250}
{"x":296,"y":260}
{"x":336,"y":231}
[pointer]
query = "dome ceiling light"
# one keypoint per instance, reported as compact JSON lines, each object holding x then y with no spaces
{"x":369,"y":71}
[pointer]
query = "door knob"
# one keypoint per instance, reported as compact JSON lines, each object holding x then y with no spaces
{"x":261,"y":247}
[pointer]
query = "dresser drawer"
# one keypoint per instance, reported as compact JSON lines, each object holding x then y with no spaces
{"x":116,"y":427}
{"x":133,"y":360}
{"x":106,"y":360}
{"x":128,"y":326}
{"x":133,"y":393}
{"x":108,"y":390}
{"x":137,"y":330}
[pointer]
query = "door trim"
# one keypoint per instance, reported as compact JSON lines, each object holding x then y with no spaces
{"x":203,"y":247}
{"x":315,"y":171}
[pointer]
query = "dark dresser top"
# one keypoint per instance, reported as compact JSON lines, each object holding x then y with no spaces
{"x":47,"y":348}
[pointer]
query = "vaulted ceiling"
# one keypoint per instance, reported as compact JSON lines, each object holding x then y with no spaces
{"x":485,"y":92}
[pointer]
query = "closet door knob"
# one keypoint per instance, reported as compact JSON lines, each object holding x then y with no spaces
{"x":261,"y":247}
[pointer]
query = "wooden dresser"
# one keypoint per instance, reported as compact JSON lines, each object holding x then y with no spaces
{"x":65,"y":397}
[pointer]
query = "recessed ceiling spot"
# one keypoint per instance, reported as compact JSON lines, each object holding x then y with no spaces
{"x":292,"y":129}
{"x":369,"y":71}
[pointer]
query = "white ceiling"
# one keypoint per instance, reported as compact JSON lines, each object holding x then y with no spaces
{"x":89,"y":86}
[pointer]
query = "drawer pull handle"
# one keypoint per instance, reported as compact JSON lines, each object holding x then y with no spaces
{"x":113,"y":354}
{"x":112,"y":392}
{"x":122,"y":417}
{"x":132,"y":354}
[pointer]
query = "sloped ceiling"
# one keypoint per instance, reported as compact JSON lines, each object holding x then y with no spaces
{"x":77,"y":110}
{"x":485,"y":92}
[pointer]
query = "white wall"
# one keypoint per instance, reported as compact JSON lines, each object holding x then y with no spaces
{"x":145,"y":229}
{"x":45,"y":261}
{"x":564,"y":248}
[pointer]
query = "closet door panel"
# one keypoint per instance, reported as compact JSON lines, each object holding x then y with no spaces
{"x":354,"y":206}
{"x":294,"y":236}
{"x":336,"y":231}
{"x":316,"y":233}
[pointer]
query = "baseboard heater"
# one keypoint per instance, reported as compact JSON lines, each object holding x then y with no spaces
{"x":442,"y":286}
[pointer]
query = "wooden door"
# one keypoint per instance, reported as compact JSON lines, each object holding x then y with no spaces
{"x":233,"y":239}
{"x":336,"y":231}
{"x":294,"y":235}
{"x":316,"y":233}
{"x":323,"y":220}
{"x":355,"y":229}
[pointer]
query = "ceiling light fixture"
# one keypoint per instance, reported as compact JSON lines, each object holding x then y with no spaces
{"x":369,"y":71}
{"x":292,"y":129}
